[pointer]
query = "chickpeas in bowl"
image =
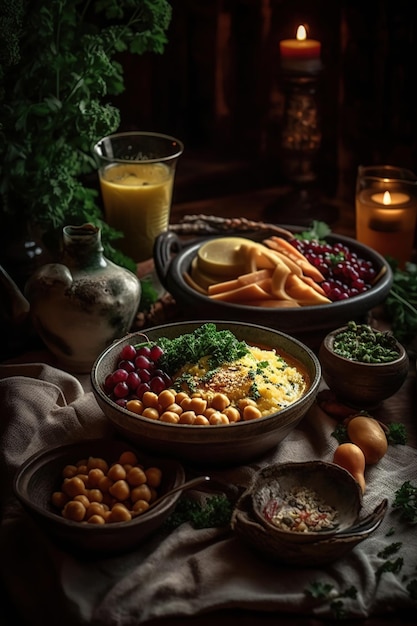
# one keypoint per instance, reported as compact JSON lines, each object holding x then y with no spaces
{"x":250,"y":400}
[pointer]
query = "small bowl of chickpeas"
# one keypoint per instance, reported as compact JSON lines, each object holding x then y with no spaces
{"x":94,"y":495}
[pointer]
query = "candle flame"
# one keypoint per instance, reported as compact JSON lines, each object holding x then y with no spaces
{"x":386,"y":199}
{"x":301,"y":33}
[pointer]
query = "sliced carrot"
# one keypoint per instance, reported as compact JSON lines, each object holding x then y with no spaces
{"x":283,"y":246}
{"x":240,"y":281}
{"x":193,"y":284}
{"x":255,"y":291}
{"x":274,"y":304}
{"x":313,"y":284}
{"x":303,"y":293}
{"x":279,"y":279}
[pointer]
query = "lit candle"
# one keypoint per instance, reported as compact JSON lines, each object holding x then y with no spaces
{"x":390,"y":198}
{"x":300,"y":55}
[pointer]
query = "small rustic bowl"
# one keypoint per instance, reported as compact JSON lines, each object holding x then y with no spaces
{"x":220,"y":445}
{"x":361,"y":385}
{"x":40,"y":476}
{"x":313,"y":554}
{"x":333,"y":485}
{"x":309,"y":324}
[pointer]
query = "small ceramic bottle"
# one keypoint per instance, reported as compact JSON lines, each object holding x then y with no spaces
{"x":81,"y":305}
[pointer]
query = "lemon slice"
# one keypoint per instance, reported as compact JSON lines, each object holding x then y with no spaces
{"x":221,"y":257}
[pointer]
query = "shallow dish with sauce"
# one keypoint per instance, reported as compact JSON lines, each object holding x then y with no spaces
{"x":222,"y":444}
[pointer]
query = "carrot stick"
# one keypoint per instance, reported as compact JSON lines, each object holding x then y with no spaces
{"x":283,"y":246}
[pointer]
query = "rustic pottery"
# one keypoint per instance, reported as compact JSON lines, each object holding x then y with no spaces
{"x":82,"y":304}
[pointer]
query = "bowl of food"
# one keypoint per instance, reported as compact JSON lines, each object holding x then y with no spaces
{"x":306,"y":501}
{"x":224,"y":393}
{"x":363,"y":366}
{"x":93,"y":495}
{"x":302,"y":287}
{"x":304,"y":513}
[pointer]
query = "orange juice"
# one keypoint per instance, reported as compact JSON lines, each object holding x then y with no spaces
{"x":137,"y":201}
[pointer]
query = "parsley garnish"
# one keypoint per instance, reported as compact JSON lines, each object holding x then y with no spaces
{"x":221,"y":346}
{"x":406,"y":501}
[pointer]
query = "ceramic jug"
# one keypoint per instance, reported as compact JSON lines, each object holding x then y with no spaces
{"x":82,"y":304}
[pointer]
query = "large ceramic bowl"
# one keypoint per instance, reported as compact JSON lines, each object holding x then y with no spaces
{"x":41,"y":475}
{"x":310,"y":324}
{"x":212,"y":445}
{"x":361,"y":385}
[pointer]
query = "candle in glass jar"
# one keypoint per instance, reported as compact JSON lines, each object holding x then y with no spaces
{"x":300,"y":55}
{"x":385,"y":221}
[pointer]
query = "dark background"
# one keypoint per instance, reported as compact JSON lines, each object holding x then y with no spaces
{"x":218,"y":88}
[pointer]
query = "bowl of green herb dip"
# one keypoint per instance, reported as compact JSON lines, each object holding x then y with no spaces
{"x":363,"y":366}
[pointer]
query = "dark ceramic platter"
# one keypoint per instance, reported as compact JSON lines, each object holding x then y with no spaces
{"x":310,"y":324}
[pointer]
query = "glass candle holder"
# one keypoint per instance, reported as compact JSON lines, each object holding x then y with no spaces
{"x":386,"y":210}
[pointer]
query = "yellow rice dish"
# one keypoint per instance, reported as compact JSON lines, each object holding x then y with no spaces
{"x":261,"y":377}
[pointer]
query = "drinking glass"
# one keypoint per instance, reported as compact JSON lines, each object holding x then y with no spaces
{"x":386,"y":210}
{"x":136,"y":172}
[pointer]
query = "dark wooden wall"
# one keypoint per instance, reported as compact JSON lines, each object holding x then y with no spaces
{"x":218,"y":84}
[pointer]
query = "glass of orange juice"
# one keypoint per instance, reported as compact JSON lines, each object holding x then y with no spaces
{"x":386,"y":210}
{"x":136,"y":172}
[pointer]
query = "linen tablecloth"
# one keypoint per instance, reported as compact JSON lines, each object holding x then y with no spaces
{"x":184,"y":571}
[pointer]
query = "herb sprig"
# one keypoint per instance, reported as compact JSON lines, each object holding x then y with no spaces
{"x":220,"y":345}
{"x":401,"y":302}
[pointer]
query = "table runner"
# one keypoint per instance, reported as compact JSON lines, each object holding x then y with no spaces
{"x":185,"y":571}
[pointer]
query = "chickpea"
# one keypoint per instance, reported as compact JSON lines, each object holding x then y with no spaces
{"x":251,"y":412}
{"x":209,"y":412}
{"x":136,"y":406}
{"x":74,"y":511}
{"x":198,"y":405}
{"x":153,"y":476}
{"x":116,"y":472}
{"x":187,"y":417}
{"x":175,"y":408}
{"x":94,"y":476}
{"x":170,"y":417}
{"x":151,"y":412}
{"x":142,"y":492}
{"x":201,"y":420}
{"x":232,"y":414}
{"x":73,"y":486}
{"x":96,"y":519}
{"x":120,"y":490}
{"x":82,"y":470}
{"x":218,"y":418}
{"x":95,"y":495}
{"x":136,"y":476}
{"x":166,"y":398}
{"x":220,"y":401}
{"x":104,"y":484}
{"x":150,"y":399}
{"x":180,"y":396}
{"x":140,"y":506}
{"x":94,"y":508}
{"x":59,"y":499}
{"x":69,"y":471}
{"x":185,"y":403}
{"x":119,"y":513}
{"x":244,"y":402}
{"x":83,"y":499}
{"x":128,"y":458}
{"x":97,"y":463}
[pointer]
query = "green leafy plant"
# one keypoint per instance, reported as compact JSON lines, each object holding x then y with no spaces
{"x":59,"y":68}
